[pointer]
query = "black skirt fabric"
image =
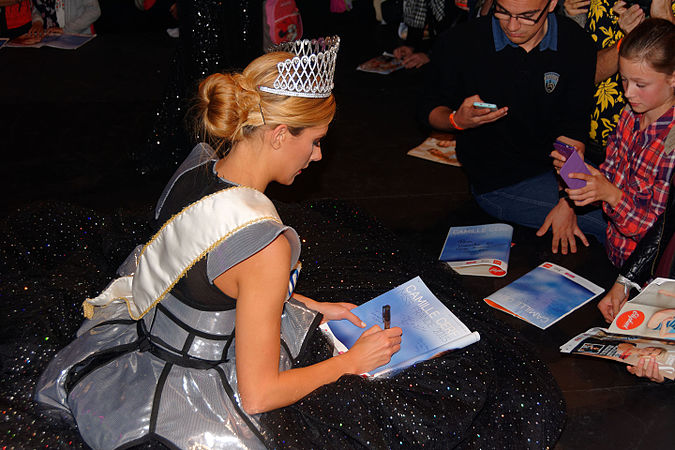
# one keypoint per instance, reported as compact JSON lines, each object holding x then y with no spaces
{"x":493,"y":394}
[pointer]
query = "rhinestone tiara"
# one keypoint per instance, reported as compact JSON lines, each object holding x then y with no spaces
{"x":310,"y":73}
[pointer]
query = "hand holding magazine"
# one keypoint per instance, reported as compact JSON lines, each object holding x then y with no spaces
{"x":598,"y":342}
{"x":429,"y":328}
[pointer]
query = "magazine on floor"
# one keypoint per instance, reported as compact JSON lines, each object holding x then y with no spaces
{"x":600,"y":343}
{"x":65,"y":41}
{"x":429,"y":327}
{"x":650,"y":314}
{"x":384,"y":64}
{"x":478,"y":250}
{"x":544,"y":295}
{"x":437,"y":149}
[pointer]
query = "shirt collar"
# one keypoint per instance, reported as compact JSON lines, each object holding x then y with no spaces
{"x":550,"y":40}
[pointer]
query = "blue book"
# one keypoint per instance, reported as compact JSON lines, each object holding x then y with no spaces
{"x":479,"y":250}
{"x":429,"y":327}
{"x":544,"y":295}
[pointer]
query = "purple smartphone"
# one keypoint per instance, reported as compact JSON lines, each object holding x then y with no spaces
{"x":574,"y":164}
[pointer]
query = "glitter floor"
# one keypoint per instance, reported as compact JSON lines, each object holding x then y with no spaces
{"x":70,"y":121}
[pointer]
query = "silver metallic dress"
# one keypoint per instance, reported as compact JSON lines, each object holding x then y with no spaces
{"x":155,"y":359}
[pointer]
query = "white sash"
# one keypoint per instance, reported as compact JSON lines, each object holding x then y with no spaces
{"x":182,"y":241}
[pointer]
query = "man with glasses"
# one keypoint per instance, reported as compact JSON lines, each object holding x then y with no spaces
{"x":538,"y":69}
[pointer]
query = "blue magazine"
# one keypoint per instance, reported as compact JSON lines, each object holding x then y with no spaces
{"x":429,"y":327}
{"x":479,"y":250}
{"x":544,"y":295}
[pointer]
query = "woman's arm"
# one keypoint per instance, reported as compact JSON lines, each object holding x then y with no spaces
{"x":259,"y":284}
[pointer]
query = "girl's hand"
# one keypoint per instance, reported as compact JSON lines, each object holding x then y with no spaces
{"x":647,"y":368}
{"x":611,"y":304}
{"x":374,"y":348}
{"x":338,"y":311}
{"x":628,"y":18}
{"x":576,"y":7}
{"x":598,"y":188}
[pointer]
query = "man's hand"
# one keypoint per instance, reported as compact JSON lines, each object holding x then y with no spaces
{"x":576,"y":7}
{"x":468,"y":116}
{"x":598,"y":188}
{"x":563,"y":224}
{"x":628,"y":18}
{"x":611,"y":304}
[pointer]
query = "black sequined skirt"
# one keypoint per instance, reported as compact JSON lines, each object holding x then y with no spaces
{"x":493,"y":394}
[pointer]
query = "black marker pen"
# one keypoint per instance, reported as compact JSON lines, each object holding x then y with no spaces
{"x":386,"y":316}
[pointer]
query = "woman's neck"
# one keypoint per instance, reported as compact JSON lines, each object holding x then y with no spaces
{"x":243,"y":166}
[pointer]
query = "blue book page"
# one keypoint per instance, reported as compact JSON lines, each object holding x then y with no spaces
{"x":544,"y":295}
{"x":427,"y":324}
{"x":492,"y":241}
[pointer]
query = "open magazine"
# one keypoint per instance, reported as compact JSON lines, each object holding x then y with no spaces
{"x":429,"y":327}
{"x":544,"y":295}
{"x":437,"y":149}
{"x":479,"y":250}
{"x":66,"y":41}
{"x":384,"y":64}
{"x":650,"y":314}
{"x":598,"y":342}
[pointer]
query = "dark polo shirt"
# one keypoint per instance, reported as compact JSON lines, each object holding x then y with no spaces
{"x":549,"y":92}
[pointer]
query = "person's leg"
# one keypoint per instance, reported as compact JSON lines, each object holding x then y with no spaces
{"x":593,"y":222}
{"x":528,"y":203}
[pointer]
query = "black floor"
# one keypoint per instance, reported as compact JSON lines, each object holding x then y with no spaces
{"x":70,"y":120}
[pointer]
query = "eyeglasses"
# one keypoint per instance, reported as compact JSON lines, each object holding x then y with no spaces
{"x":503,"y":14}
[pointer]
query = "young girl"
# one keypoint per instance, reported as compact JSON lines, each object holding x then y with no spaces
{"x":633,"y":181}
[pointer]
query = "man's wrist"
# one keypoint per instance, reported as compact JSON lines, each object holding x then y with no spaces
{"x":453,"y":123}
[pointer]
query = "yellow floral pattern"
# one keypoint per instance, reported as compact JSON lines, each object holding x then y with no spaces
{"x":603,"y":28}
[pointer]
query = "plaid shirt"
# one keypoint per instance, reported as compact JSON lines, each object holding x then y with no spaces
{"x":637,"y":164}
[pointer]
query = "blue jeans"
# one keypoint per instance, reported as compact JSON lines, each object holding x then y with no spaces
{"x":528,"y":203}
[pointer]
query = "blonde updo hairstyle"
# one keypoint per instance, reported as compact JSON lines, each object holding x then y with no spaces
{"x":230,"y":108}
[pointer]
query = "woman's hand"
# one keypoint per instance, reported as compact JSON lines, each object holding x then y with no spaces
{"x":628,"y":18}
{"x":647,"y":368}
{"x":37,"y":30}
{"x":662,"y":9}
{"x":338,"y":311}
{"x":576,"y":7}
{"x":374,"y":348}
{"x":598,"y":188}
{"x":331,"y":311}
{"x":611,"y":304}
